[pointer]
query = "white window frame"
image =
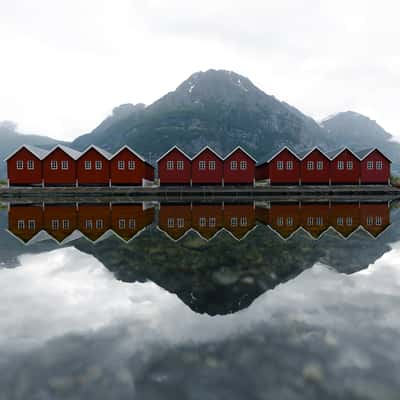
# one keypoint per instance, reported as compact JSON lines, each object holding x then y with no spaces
{"x":21,"y":224}
{"x":180,"y":222}
{"x":243,"y":165}
{"x":340,"y":221}
{"x":170,"y":165}
{"x":65,"y":224}
{"x":88,"y":224}
{"x":212,"y":165}
{"x":310,"y":165}
{"x":289,"y":221}
{"x":98,"y":165}
{"x":370,"y":165}
{"x":319,"y":221}
{"x":99,"y":224}
{"x":349,"y":165}
{"x":340,"y":165}
{"x":279,"y":165}
{"x":19,"y":164}
{"x":202,"y":165}
{"x":121,"y":165}
{"x":170,"y":223}
{"x":370,"y":220}
{"x":65,"y":165}
{"x":121,"y":223}
{"x":233,"y":165}
{"x":234,"y":221}
{"x":310,"y":221}
{"x":212,"y":222}
{"x":202,"y":222}
{"x":132,"y":223}
{"x":30,"y":164}
{"x":31,"y":224}
{"x":320,"y":165}
{"x":88,"y":165}
{"x":378,"y":220}
{"x":180,"y":165}
{"x":55,"y":224}
{"x":54,"y":165}
{"x":349,"y":221}
{"x":280,"y":221}
{"x":243,"y":221}
{"x":379,"y":165}
{"x":289,"y":165}
{"x":131,"y":165}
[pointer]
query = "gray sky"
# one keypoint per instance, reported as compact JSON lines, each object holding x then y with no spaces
{"x":65,"y":64}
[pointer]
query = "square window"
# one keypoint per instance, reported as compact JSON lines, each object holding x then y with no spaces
{"x":310,"y":165}
{"x":64,"y":165}
{"x":234,"y":221}
{"x":243,"y":221}
{"x":233,"y":165}
{"x":170,"y":223}
{"x":320,"y":165}
{"x":180,"y":164}
{"x":53,"y":164}
{"x":243,"y":165}
{"x":289,"y":165}
{"x":370,"y":165}
{"x":170,"y":164}
{"x":279,"y":165}
{"x":31,"y":164}
{"x":20,"y":164}
{"x":180,"y":222}
{"x":121,"y":165}
{"x":21,"y":224}
{"x":99,"y":165}
{"x":99,"y":224}
{"x":340,"y":165}
{"x":379,"y":165}
{"x":202,"y":165}
{"x":55,"y":224}
{"x":131,"y":164}
{"x":349,"y":165}
{"x":88,"y":164}
{"x":65,"y":224}
{"x":121,"y":223}
{"x":211,"y":165}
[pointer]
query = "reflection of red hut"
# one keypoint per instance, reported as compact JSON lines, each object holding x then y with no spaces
{"x":284,"y":168}
{"x":239,"y":219}
{"x":284,"y":218}
{"x":175,"y":219}
{"x":59,"y":166}
{"x":25,"y":221}
{"x":207,"y":168}
{"x":315,"y":167}
{"x":127,"y":220}
{"x":239,"y":168}
{"x":60,"y":220}
{"x":93,"y":167}
{"x":175,"y":167}
{"x":374,"y":217}
{"x":314,"y":218}
{"x":24,"y":166}
{"x":129,"y":168}
{"x":207,"y":219}
{"x":94,"y":220}
{"x":345,"y":167}
{"x":345,"y":218}
{"x":374,"y":167}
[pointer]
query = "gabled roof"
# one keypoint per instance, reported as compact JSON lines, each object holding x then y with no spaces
{"x":103,"y":152}
{"x":74,"y":154}
{"x":362,"y":154}
{"x":243,"y":150}
{"x":204,"y":149}
{"x":173,"y":148}
{"x":334,"y":153}
{"x":305,"y":153}
{"x":270,"y":156}
{"x":36,"y":151}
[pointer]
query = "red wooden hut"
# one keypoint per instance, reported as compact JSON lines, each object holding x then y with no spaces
{"x":284,"y":168}
{"x":207,"y":168}
{"x":344,"y":167}
{"x":59,"y":166}
{"x":239,"y":168}
{"x":129,"y":168}
{"x":314,"y":167}
{"x":374,"y":167}
{"x":24,"y":166}
{"x":175,"y":167}
{"x":93,"y":167}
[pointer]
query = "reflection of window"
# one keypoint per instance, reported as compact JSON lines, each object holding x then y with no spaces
{"x":170,"y":164}
{"x":99,"y":224}
{"x":21,"y":224}
{"x":211,"y":165}
{"x":370,"y":165}
{"x":55,"y":224}
{"x":234,"y":221}
{"x":64,"y":165}
{"x":289,"y":165}
{"x":31,"y":164}
{"x":349,"y":164}
{"x":243,"y":165}
{"x":88,"y":164}
{"x":99,"y":164}
{"x":310,"y":221}
{"x":20,"y":164}
{"x":31,"y":224}
{"x":279,"y":164}
{"x":53,"y":164}
{"x":339,"y":220}
{"x":340,"y":165}
{"x":370,"y":220}
{"x":320,"y":165}
{"x":243,"y":221}
{"x":180,"y":222}
{"x":202,"y":165}
{"x":378,"y":220}
{"x":202,"y":222}
{"x":310,"y":165}
{"x":66,"y":224}
{"x":233,"y":165}
{"x":289,"y":221}
{"x":212,"y":222}
{"x":349,"y":221}
{"x":121,"y":223}
{"x":379,"y":165}
{"x":170,"y":223}
{"x":132,"y":223}
{"x":121,"y":165}
{"x":88,"y":224}
{"x":279,"y":221}
{"x":319,"y":221}
{"x":179,"y":164}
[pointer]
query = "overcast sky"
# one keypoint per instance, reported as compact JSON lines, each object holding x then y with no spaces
{"x":65,"y":64}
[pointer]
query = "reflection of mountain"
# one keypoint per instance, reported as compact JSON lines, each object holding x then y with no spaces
{"x":222,"y":275}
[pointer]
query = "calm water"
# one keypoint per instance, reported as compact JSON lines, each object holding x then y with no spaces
{"x":200,"y":301}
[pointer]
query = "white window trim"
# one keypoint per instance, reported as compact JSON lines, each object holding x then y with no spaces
{"x":65,"y":165}
{"x":98,"y":165}
{"x":202,"y":165}
{"x":320,"y":165}
{"x":212,"y":165}
{"x":131,"y":165}
{"x":170,"y":165}
{"x":30,"y":164}
{"x":88,"y":165}
{"x":233,"y":165}
{"x":310,"y":165}
{"x":289,"y":165}
{"x":121,"y":165}
{"x":54,"y":165}
{"x":180,"y":165}
{"x":379,"y":165}
{"x":280,"y":165}
{"x":20,"y":164}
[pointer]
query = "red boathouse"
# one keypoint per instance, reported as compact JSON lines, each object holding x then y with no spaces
{"x":93,"y":167}
{"x":314,"y":168}
{"x":345,"y":167}
{"x":284,"y":168}
{"x":175,"y":167}
{"x":59,"y":166}
{"x":207,"y":168}
{"x":239,"y":168}
{"x":129,"y":168}
{"x":374,"y":167}
{"x":24,"y":166}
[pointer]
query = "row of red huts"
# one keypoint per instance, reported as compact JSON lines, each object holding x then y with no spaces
{"x":30,"y":165}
